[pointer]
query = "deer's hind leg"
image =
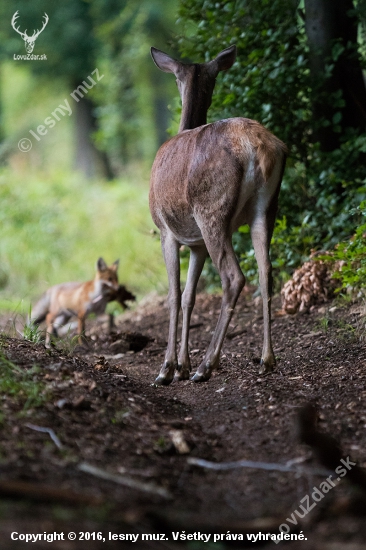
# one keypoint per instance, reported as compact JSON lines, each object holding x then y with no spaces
{"x":261,"y":229}
{"x":222,"y":254}
{"x":196,"y":261}
{"x":261,"y":238}
{"x":170,"y":248}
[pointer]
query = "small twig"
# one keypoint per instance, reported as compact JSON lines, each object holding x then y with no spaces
{"x":51,"y":433}
{"x":124,"y":480}
{"x":154,"y":351}
{"x":232,"y":335}
{"x":255,"y":465}
{"x":196,"y":325}
{"x":298,"y":460}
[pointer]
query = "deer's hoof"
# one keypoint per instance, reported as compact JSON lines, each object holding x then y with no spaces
{"x":201,"y":377}
{"x":163,"y":380}
{"x":265,"y":367}
{"x":181,"y":375}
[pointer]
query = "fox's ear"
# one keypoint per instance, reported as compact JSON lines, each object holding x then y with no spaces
{"x":115,"y":265}
{"x":101,"y":265}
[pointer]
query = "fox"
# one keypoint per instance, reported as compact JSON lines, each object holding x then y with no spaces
{"x":63,"y":301}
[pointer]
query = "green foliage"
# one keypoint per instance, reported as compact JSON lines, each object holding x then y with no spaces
{"x":323,"y":323}
{"x":133,"y":98}
{"x":68,"y":39}
{"x":270,"y":82}
{"x":352,"y":254}
{"x":26,"y":103}
{"x":67,"y":343}
{"x":131,"y":101}
{"x":269,"y":79}
{"x":56,"y":226}
{"x":20,"y":384}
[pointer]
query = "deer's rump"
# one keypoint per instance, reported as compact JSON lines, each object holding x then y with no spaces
{"x":211,"y":173}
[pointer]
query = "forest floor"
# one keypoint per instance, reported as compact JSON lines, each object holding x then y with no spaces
{"x":105,"y":412}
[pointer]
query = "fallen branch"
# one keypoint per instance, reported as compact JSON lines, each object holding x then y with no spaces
{"x":124,"y":480}
{"x":257,"y":466}
{"x":46,"y":493}
{"x":51,"y":433}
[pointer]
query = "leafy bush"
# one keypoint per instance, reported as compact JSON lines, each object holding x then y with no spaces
{"x":352,"y":254}
{"x":270,"y":82}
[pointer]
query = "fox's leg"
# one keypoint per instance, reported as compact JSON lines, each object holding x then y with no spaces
{"x":50,"y":330}
{"x":61,"y":320}
{"x":60,"y":324}
{"x":81,"y":328}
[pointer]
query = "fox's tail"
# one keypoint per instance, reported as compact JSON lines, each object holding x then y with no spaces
{"x":41,"y":309}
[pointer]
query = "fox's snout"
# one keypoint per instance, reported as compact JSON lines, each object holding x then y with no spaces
{"x":111,"y":284}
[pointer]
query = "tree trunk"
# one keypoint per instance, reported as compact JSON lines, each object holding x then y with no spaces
{"x":350,"y":70}
{"x":330,"y":22}
{"x":88,"y":159}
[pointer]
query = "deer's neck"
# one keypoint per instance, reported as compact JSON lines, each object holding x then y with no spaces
{"x":194,"y":105}
{"x":191,"y":119}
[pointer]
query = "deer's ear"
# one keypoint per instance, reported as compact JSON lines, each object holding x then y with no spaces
{"x":224,"y":60}
{"x":164,"y":62}
{"x":101,"y":265}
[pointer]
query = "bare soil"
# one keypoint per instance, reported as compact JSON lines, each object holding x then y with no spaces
{"x":105,"y":410}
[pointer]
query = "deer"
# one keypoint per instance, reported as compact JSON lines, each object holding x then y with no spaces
{"x":205,"y":183}
{"x":28,"y":40}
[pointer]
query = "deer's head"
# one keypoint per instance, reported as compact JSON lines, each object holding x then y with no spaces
{"x":196,"y":82}
{"x":28,"y":40}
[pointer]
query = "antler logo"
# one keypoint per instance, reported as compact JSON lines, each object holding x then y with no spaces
{"x":28,"y":40}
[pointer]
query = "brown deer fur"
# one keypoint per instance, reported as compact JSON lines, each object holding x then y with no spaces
{"x":206,"y":182}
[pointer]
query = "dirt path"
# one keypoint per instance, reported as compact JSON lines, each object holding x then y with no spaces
{"x":106,"y":412}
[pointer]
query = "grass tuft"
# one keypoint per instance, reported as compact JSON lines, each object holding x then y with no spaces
{"x":20,"y":384}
